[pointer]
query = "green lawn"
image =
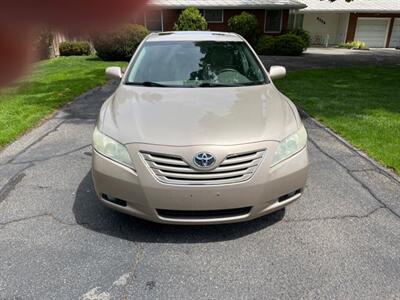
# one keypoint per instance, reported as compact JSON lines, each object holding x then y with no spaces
{"x":51,"y":84}
{"x":361,"y":104}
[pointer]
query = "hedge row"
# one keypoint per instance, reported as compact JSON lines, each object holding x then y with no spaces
{"x":294,"y":42}
{"x":286,"y":44}
{"x":121,"y":45}
{"x":70,"y":48}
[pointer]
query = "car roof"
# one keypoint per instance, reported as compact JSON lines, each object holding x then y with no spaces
{"x":194,"y":36}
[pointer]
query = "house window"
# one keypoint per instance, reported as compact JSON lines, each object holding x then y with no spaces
{"x":273,"y":21}
{"x":214,"y":15}
{"x":153,"y":20}
{"x":295,"y":21}
{"x":299,"y":21}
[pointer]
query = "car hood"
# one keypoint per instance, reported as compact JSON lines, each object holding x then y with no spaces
{"x":197,"y":116}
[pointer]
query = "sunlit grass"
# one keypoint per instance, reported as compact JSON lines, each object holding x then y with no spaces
{"x":52,"y":84}
{"x":361,"y":104}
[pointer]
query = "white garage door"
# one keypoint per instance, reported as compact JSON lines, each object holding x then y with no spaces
{"x":372,"y":31}
{"x":395,"y":39}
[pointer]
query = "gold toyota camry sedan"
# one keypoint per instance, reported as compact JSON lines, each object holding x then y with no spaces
{"x":197,"y":133}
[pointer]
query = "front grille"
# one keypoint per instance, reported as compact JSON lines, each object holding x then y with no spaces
{"x":175,"y":170}
{"x":203,"y":214}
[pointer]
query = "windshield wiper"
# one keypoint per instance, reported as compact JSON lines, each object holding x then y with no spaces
{"x":252,"y":83}
{"x":211,"y":84}
{"x":147,"y":83}
{"x":203,"y":84}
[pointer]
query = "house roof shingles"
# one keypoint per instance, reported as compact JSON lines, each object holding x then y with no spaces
{"x":227,"y":4}
{"x":367,"y":6}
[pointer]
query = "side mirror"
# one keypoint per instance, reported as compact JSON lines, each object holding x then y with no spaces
{"x":114,"y":72}
{"x":277,"y":72}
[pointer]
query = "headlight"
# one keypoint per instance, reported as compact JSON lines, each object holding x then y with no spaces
{"x":290,"y":145}
{"x":110,"y":148}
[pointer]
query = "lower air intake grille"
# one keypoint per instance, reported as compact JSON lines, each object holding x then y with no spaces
{"x":203,"y":214}
{"x":174,"y":170}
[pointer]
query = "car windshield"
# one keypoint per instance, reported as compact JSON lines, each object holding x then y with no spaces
{"x":195,"y":64}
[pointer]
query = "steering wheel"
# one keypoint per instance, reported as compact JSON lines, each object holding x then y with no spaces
{"x":227,"y":70}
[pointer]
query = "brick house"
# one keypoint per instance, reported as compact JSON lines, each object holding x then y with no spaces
{"x":273,"y":15}
{"x":376,"y":22}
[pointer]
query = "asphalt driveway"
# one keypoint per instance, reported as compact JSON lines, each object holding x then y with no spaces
{"x":341,"y":240}
{"x":335,"y":57}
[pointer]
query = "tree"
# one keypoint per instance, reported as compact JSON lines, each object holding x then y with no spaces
{"x":246,"y":25}
{"x":191,"y":19}
{"x":120,"y":44}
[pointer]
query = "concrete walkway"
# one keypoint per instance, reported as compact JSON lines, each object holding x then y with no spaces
{"x":341,"y":240}
{"x":334,"y":57}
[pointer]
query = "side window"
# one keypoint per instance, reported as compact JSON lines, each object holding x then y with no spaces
{"x":273,"y":21}
{"x":154,"y":20}
{"x":214,"y":15}
{"x":299,"y":21}
{"x":295,"y":21}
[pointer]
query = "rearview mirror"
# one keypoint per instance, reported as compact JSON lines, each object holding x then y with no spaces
{"x":114,"y":72}
{"x":277,"y":72}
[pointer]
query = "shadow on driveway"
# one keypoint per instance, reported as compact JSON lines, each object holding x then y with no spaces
{"x":92,"y":214}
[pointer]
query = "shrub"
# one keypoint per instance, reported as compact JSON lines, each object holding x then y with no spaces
{"x":345,"y":45}
{"x":265,"y":45}
{"x":246,"y":25}
{"x":359,"y":45}
{"x":69,"y":48}
{"x":354,"y":45}
{"x":191,"y":19}
{"x":304,"y":35}
{"x":289,"y":44}
{"x":121,"y":44}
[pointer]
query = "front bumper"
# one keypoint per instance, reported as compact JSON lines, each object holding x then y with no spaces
{"x":141,"y":194}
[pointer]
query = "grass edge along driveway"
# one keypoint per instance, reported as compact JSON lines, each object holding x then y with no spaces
{"x":51,"y":84}
{"x":362,"y":104}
